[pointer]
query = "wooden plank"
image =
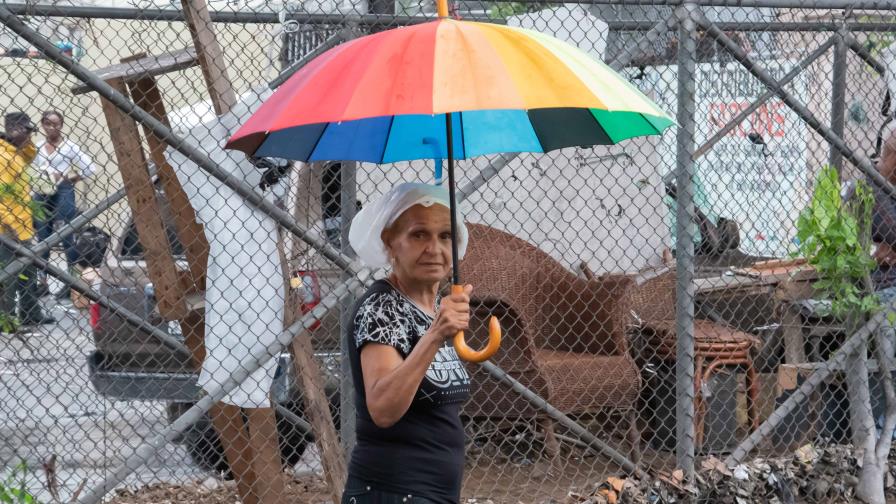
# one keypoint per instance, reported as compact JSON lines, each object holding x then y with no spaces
{"x":270,"y":486}
{"x":211,"y":59}
{"x":234,"y":434}
{"x":798,"y":286}
{"x":794,"y":340}
{"x":755,"y":278}
{"x":141,"y":196}
{"x":146,"y":66}
{"x":250,"y":448}
{"x":193,"y":328}
{"x":317,"y":409}
{"x":317,"y":405}
{"x":787,"y":373}
{"x":147,"y":96}
{"x":710,"y":284}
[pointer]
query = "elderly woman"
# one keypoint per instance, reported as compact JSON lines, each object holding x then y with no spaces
{"x":409,"y":382}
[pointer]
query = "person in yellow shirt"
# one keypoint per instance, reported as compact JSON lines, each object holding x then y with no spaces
{"x":17,"y":151}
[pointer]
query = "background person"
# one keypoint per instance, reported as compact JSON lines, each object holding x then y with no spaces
{"x":60,"y":164}
{"x":16,"y":220}
{"x":409,"y":383}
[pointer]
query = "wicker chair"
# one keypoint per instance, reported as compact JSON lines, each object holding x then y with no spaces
{"x":715,"y":345}
{"x":564,"y":337}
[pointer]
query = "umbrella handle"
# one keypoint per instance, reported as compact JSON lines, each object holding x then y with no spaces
{"x":494,"y":338}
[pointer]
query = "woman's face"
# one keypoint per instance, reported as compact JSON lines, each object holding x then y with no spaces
{"x":52,"y":125}
{"x":419,"y":243}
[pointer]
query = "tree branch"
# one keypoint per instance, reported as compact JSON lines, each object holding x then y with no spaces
{"x":885,"y":440}
{"x":861,"y":419}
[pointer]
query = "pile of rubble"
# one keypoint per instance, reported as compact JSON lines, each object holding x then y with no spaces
{"x":810,"y":475}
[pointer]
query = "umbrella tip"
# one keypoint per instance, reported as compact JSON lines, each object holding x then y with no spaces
{"x":442,"y":8}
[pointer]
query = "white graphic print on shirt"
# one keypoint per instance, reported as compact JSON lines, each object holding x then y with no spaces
{"x":392,"y":319}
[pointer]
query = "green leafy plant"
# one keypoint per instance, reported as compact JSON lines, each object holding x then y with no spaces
{"x":9,"y":324}
{"x":875,"y":42}
{"x":835,"y":238}
{"x":13,"y":491}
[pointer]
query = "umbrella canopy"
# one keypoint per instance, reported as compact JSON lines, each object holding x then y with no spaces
{"x":448,"y":89}
{"x":383,"y":98}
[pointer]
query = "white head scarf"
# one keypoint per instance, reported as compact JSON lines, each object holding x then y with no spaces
{"x":368,"y":225}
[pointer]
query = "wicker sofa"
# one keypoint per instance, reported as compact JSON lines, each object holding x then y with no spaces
{"x":564,"y":337}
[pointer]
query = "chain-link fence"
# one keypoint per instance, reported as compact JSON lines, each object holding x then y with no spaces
{"x":703,"y":313}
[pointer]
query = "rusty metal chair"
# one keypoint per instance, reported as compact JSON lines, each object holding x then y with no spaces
{"x":564,"y":337}
{"x":715,"y":345}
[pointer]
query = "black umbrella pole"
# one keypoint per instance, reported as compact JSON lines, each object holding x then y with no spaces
{"x":452,"y":201}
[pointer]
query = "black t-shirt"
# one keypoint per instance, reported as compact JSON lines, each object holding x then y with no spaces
{"x":423,"y":453}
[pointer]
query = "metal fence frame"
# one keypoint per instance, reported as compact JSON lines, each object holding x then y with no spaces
{"x":688,"y":19}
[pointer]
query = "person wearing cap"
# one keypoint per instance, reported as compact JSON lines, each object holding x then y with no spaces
{"x":59,"y":165}
{"x":409,"y":383}
{"x":17,"y":151}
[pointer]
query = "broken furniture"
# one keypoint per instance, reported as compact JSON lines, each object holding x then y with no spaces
{"x":717,"y":347}
{"x":173,"y":283}
{"x":811,"y":336}
{"x":809,"y":332}
{"x":564,"y":337}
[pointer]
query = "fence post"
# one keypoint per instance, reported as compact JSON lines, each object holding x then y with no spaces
{"x":838,"y":98}
{"x":348,"y":196}
{"x":685,"y":230}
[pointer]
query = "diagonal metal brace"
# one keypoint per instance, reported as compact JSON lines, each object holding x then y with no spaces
{"x":83,"y":288}
{"x":12,"y":269}
{"x":864,"y":54}
{"x":582,"y":433}
{"x":745,"y":113}
{"x":862,"y":162}
{"x":801,"y":394}
{"x":217,"y":391}
{"x":82,"y":220}
{"x":645,"y":42}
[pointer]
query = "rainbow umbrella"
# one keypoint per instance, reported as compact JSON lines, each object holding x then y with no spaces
{"x":450,"y":89}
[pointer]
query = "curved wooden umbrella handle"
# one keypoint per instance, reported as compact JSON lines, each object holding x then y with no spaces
{"x":494,"y":338}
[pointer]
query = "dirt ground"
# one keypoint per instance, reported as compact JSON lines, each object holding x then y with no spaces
{"x":311,"y":490}
{"x":501,"y":469}
{"x":512,"y":468}
{"x":487,"y":482}
{"x":510,"y":484}
{"x":576,"y":479}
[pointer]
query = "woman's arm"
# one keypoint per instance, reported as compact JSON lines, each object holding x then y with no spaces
{"x":390,"y":382}
{"x":84,"y":164}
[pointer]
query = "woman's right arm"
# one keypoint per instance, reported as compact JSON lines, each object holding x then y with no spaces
{"x":391,"y":382}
